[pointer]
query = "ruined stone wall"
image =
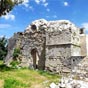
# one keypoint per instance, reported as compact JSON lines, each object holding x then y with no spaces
{"x":75,"y":36}
{"x":62,"y":43}
{"x":12,"y":43}
{"x":56,"y":51}
{"x":33,"y":41}
{"x":50,"y":45}
{"x":56,"y":38}
{"x":75,"y":60}
{"x":87,"y":44}
{"x":26,"y":42}
{"x":57,"y":56}
{"x":75,"y":50}
{"x":83,"y":44}
{"x":75,"y":41}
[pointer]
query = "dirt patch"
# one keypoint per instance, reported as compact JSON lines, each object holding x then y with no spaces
{"x":1,"y":83}
{"x":37,"y":86}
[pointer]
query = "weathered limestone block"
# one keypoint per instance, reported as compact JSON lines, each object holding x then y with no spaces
{"x":75,"y":50}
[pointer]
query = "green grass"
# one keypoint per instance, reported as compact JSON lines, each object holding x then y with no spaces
{"x":13,"y":83}
{"x":26,"y":78}
{"x":1,"y":62}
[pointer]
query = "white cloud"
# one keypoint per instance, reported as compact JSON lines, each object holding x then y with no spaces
{"x":66,"y":4}
{"x":5,"y":25}
{"x":9,"y":17}
{"x":45,"y":4}
{"x":47,"y":10}
{"x":30,"y":7}
{"x":37,"y":1}
{"x":85,"y":25}
{"x":25,"y":3}
{"x":42,"y":2}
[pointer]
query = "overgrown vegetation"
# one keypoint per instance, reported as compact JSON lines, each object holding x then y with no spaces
{"x":3,"y":47}
{"x":14,"y":63}
{"x":26,"y":78}
{"x":16,"y":53}
{"x":3,"y":67}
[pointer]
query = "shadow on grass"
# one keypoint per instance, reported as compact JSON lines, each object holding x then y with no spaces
{"x":5,"y":68}
{"x":48,"y":74}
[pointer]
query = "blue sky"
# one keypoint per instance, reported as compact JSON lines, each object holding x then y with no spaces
{"x":21,"y":16}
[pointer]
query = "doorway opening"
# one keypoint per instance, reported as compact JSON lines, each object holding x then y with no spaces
{"x":35,"y":58}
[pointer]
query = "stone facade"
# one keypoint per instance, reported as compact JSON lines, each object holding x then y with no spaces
{"x":49,"y":45}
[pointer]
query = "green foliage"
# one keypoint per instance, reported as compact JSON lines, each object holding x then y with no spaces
{"x":14,"y":63}
{"x":7,"y":5}
{"x":13,"y":83}
{"x":3,"y":67}
{"x":3,"y":47}
{"x":1,"y":62}
{"x":16,"y":53}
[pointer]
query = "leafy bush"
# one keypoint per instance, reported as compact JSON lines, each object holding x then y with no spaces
{"x":16,"y":52}
{"x":14,"y":63}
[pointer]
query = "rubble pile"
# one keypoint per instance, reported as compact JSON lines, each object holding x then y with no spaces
{"x":70,"y":83}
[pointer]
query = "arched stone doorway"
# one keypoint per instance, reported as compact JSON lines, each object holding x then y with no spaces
{"x":35,"y":58}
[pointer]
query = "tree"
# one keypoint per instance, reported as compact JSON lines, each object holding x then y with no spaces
{"x":3,"y":47}
{"x":7,"y":5}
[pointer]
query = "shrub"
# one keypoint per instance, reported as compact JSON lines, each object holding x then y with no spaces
{"x":16,"y":52}
{"x":14,"y":63}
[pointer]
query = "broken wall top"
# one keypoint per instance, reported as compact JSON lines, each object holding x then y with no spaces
{"x":51,"y":26}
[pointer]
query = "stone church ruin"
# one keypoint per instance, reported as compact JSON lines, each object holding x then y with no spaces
{"x":49,"y":45}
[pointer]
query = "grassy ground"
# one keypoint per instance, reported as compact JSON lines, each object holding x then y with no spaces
{"x":25,"y":78}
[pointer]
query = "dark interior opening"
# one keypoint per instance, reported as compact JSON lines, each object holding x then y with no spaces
{"x":81,"y":30}
{"x":35,"y":57}
{"x":73,"y":60}
{"x":33,"y":27}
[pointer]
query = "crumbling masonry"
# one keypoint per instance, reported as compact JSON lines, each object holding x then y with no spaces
{"x":49,"y":45}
